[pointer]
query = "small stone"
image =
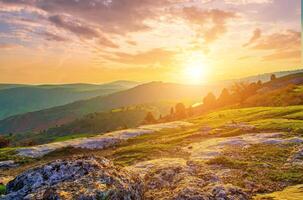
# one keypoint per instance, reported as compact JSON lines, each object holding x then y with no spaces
{"x":8,"y":164}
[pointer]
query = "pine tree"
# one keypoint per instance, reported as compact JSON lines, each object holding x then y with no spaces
{"x":210,"y":100}
{"x":149,"y":118}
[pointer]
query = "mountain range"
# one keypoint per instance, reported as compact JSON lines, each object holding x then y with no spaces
{"x":48,"y":106}
{"x":17,"y":99}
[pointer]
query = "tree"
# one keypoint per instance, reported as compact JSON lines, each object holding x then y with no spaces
{"x":149,"y":118}
{"x":273,"y":77}
{"x":242,"y":91}
{"x":224,"y":98}
{"x":209,"y":100}
{"x":180,"y":111}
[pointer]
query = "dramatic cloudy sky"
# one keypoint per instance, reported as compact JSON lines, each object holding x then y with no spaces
{"x":64,"y":41}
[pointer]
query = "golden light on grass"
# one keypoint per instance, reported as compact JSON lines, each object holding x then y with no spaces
{"x":195,"y":68}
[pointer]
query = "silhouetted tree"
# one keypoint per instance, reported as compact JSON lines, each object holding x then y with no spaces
{"x":224,"y":98}
{"x":149,"y":118}
{"x":209,"y":100}
{"x":241,"y":91}
{"x":273,"y":77}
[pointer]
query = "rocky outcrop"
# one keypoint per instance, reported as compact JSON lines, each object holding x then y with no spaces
{"x":177,"y":179}
{"x":100,"y":141}
{"x":94,"y":178}
{"x":79,"y":178}
{"x":213,"y":147}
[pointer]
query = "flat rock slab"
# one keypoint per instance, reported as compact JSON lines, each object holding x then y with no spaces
{"x":213,"y":147}
{"x":100,"y":141}
{"x":8,"y":164}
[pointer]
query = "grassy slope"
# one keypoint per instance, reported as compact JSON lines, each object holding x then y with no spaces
{"x":290,"y":193}
{"x":259,"y":165}
{"x":167,"y":141}
{"x":264,"y":118}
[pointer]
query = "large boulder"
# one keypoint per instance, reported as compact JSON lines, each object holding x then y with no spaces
{"x":79,"y":178}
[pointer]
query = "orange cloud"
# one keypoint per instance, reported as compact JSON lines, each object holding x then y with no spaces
{"x":256,"y":35}
{"x":286,"y":45}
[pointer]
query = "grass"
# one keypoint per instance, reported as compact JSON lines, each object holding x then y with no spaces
{"x":149,"y":146}
{"x":280,"y":124}
{"x":261,"y":165}
{"x":2,"y":189}
{"x":299,"y":89}
{"x":264,"y":118}
{"x":74,"y":136}
{"x":290,"y":193}
{"x":11,"y":154}
{"x":226,"y":162}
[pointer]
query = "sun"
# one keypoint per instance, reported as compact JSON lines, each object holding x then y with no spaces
{"x":195,"y":68}
{"x":194,"y":73}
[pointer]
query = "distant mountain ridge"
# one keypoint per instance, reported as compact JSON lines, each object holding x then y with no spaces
{"x":19,"y":98}
{"x":266,"y":77}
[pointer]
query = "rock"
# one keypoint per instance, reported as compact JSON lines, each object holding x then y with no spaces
{"x":205,"y":130}
{"x":212,"y":147}
{"x":273,"y":141}
{"x":79,"y":178}
{"x":8,"y":164}
{"x":295,"y":140}
{"x":100,"y":141}
{"x":242,"y":126}
{"x":187,"y":181}
{"x":297,"y":157}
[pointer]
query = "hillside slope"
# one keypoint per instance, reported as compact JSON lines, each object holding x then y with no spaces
{"x":229,"y":154}
{"x":284,"y":91}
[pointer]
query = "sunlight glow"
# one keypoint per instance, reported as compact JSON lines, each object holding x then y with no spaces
{"x":195,"y":68}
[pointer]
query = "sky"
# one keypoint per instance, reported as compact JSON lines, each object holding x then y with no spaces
{"x":189,"y":41}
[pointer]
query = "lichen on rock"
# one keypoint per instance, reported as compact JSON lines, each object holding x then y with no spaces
{"x":79,"y":178}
